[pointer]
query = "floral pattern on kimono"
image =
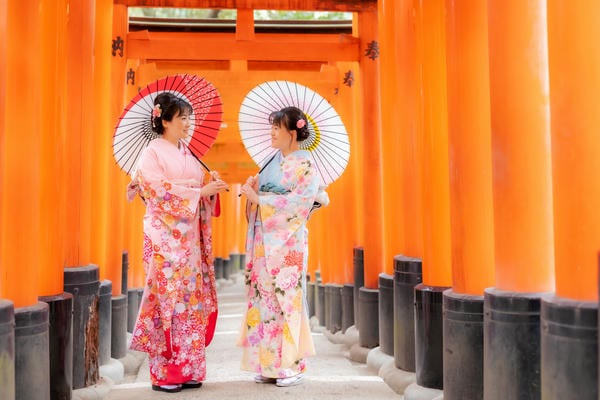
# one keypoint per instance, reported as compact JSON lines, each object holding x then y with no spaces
{"x":179,"y":299}
{"x":276,"y":333}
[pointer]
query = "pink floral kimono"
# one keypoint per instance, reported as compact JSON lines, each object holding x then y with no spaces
{"x":275,"y":334}
{"x":178,"y":309}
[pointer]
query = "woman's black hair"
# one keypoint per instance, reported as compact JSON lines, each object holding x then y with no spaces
{"x":293,"y":119}
{"x":167,"y":106}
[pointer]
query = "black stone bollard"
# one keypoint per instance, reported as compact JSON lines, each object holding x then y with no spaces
{"x":327,"y":306}
{"x":511,"y":344}
{"x":335,"y":308}
{"x":236,"y":265}
{"x":463,"y":346}
{"x":569,"y":346}
{"x":7,"y":350}
{"x":219,"y":273}
{"x":105,"y":322}
{"x":227,"y":268}
{"x":133,"y":306}
{"x":368,"y":324}
{"x":359,"y":280}
{"x":60,"y":338}
{"x":386,"y":314}
{"x":407,"y":275}
{"x":321,"y":304}
{"x":124,"y":272}
{"x":347,"y":306}
{"x":310,"y":297}
{"x":84,"y":285}
{"x":118,"y":334}
{"x":32,"y":355}
{"x":429,"y":336}
{"x":140,"y":293}
{"x":242,"y":262}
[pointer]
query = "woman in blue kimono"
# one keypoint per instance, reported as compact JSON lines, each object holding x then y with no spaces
{"x":276,"y":335}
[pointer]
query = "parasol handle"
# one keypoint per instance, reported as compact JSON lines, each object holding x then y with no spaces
{"x":263,"y":167}
{"x":202,"y":163}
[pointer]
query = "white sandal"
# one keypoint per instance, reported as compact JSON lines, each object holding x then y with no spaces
{"x":290,"y":381}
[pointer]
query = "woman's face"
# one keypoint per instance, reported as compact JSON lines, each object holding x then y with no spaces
{"x":178,"y":127}
{"x":281,"y":138}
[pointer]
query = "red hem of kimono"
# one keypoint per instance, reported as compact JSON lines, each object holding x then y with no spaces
{"x":174,"y":374}
{"x":211,"y":327}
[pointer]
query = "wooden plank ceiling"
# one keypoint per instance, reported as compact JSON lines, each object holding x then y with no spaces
{"x":299,"y":5}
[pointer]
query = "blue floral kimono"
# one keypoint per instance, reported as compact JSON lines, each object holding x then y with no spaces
{"x":276,"y":333}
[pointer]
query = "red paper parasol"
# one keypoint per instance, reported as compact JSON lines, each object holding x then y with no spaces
{"x":134,"y":129}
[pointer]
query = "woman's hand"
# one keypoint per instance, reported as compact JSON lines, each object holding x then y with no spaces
{"x":213,"y":187}
{"x":252,"y":181}
{"x":250,"y":189}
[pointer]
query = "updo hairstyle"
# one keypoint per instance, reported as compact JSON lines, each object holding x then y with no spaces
{"x":293,"y":119}
{"x":167,"y":106}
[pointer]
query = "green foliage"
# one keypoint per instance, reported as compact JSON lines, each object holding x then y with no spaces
{"x":300,"y":15}
{"x":204,"y":13}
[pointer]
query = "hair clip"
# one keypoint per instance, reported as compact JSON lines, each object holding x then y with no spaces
{"x":156,"y":111}
{"x":300,"y":123}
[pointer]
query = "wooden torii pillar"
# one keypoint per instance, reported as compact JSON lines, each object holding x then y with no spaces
{"x":471,"y":205}
{"x":402,"y":172}
{"x":371,"y":187}
{"x":433,"y":128}
{"x":569,"y":320}
{"x":21,"y":203}
{"x":522,"y":192}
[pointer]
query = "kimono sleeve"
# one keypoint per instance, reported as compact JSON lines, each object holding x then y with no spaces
{"x":162,"y":194}
{"x":286,"y":213}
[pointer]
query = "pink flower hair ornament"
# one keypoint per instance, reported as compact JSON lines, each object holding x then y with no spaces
{"x":156,"y":111}
{"x":300,"y":123}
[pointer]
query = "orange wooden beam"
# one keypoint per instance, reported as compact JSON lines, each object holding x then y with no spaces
{"x":117,"y":219}
{"x":435,"y":186}
{"x":308,"y":5}
{"x":470,"y":149}
{"x":80,"y":106}
{"x":372,"y":180}
{"x":393,"y":115}
{"x":3,"y":80}
{"x":574,"y":54}
{"x":20,"y":257}
{"x":342,"y":195}
{"x":337,"y":260}
{"x":53,"y":142}
{"x":101,"y":151}
{"x":409,"y":151}
{"x":134,"y":210}
{"x":357,"y":170}
{"x":244,"y":27}
{"x":224,"y":46}
{"x":520,"y":121}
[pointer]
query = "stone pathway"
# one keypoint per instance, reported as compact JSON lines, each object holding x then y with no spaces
{"x":330,"y":375}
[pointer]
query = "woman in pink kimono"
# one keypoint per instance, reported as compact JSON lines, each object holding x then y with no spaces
{"x":178,"y":309}
{"x":276,"y":337}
